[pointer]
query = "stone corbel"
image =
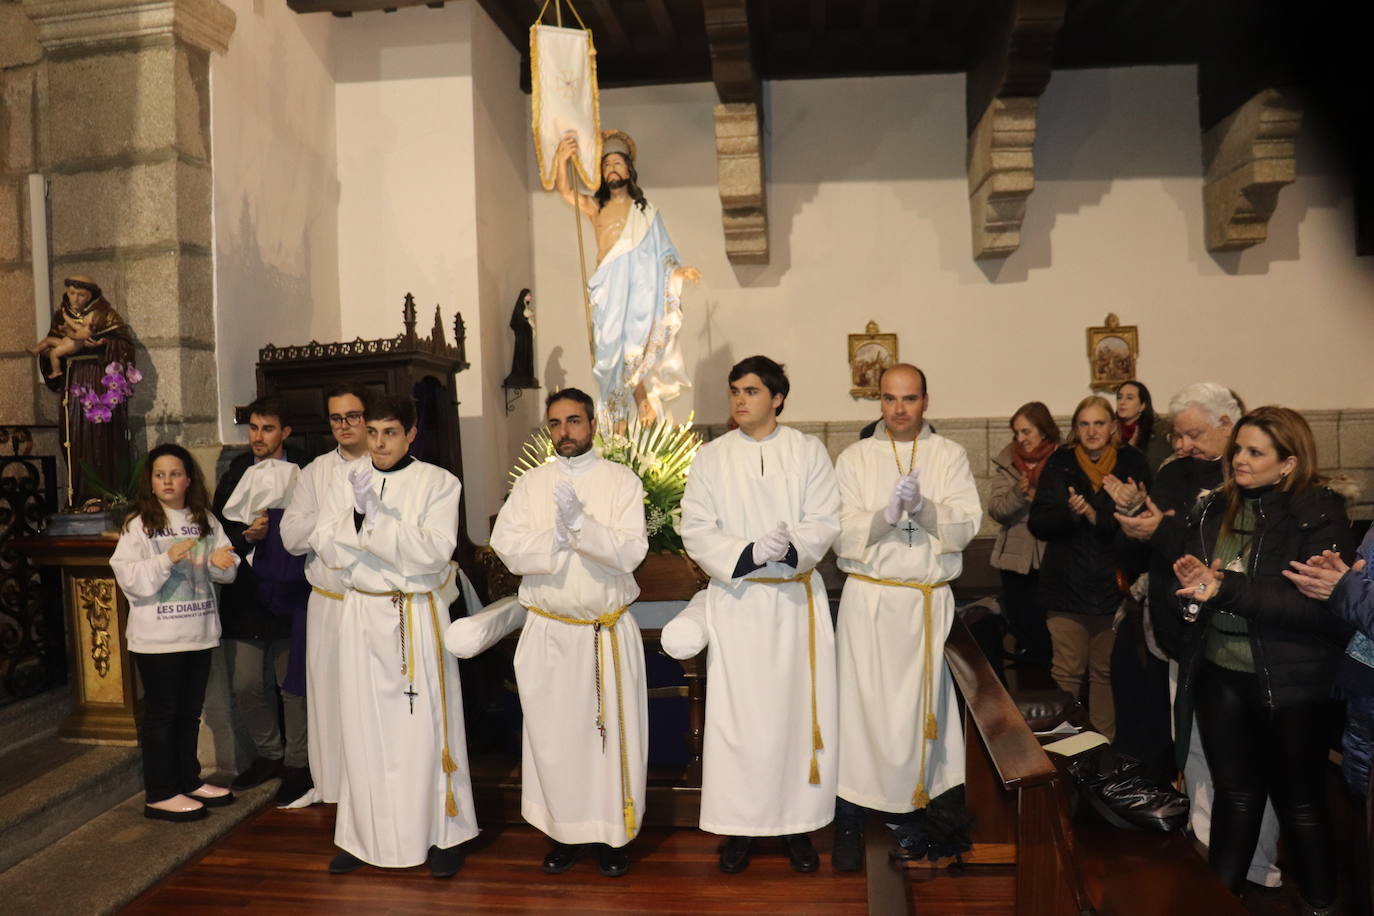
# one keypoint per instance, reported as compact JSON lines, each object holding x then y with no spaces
{"x":204,"y":24}
{"x":1003,"y":91}
{"x":1248,"y":157}
{"x":739,"y":133}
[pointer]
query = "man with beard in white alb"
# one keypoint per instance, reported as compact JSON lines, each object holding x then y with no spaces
{"x":573,"y":529}
{"x":760,"y":510}
{"x":406,"y":792}
{"x":320,"y":486}
{"x":910,"y":508}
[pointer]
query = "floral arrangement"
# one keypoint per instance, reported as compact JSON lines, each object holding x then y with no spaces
{"x":660,"y":454}
{"x":98,"y":402}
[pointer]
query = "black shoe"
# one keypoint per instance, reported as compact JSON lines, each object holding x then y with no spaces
{"x":295,"y":782}
{"x":444,"y":863}
{"x":258,"y":772}
{"x":801,"y":853}
{"x":848,"y":852}
{"x":561,"y":859}
{"x":734,"y":855}
{"x":611,"y":860}
{"x":344,"y":863}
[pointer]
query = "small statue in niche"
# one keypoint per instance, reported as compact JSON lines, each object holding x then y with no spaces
{"x":95,"y":378}
{"x":522,"y":362}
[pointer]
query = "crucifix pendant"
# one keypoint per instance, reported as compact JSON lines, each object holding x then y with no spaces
{"x":410,"y":692}
{"x":910,"y":529}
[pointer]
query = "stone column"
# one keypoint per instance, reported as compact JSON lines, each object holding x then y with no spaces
{"x":21,"y":71}
{"x":125,"y":141}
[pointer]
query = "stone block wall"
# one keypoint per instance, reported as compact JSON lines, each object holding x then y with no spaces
{"x":23,"y":86}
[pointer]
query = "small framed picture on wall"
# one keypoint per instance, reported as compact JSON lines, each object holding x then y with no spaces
{"x":1112,"y":353}
{"x":869,"y":354}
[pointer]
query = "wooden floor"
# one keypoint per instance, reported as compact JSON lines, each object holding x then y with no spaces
{"x":276,"y":863}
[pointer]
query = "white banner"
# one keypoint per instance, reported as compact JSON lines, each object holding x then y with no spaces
{"x":564,"y":98}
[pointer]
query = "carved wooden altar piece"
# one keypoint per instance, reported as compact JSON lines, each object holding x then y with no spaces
{"x":102,"y":672}
{"x":424,"y":368}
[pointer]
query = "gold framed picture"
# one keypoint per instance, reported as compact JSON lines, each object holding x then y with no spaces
{"x":1112,"y":353}
{"x":869,"y":354}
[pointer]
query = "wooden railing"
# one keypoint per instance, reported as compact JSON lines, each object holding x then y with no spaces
{"x":1014,"y":791}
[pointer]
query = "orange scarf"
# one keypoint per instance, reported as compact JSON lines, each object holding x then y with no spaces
{"x":1096,"y":470}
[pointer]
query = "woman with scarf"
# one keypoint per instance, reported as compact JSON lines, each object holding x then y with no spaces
{"x":1017,"y":553}
{"x":1135,"y":423}
{"x":1258,"y":663}
{"x":1082,"y":486}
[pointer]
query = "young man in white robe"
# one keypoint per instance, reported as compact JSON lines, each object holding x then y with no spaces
{"x":573,"y":529}
{"x":321,"y":488}
{"x":760,"y":510}
{"x":910,"y":507}
{"x":406,"y":793}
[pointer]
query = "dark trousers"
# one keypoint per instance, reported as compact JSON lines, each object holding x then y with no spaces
{"x":1026,"y":615}
{"x":1140,"y":692}
{"x":1255,"y":752}
{"x":173,"y":694}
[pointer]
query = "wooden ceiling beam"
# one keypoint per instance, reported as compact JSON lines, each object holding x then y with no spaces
{"x":662,"y":21}
{"x":343,"y":7}
{"x":739,"y":132}
{"x":610,"y":27}
{"x":1012,"y":62}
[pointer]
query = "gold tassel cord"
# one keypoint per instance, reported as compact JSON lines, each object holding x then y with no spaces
{"x":925,"y":715}
{"x":447,"y":763}
{"x":450,"y":803}
{"x":607,"y":622}
{"x":804,"y":579}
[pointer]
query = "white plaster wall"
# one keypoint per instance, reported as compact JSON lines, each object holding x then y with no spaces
{"x":276,"y":193}
{"x":501,"y":146}
{"x":869,"y":220}
{"x":404,"y":101}
{"x":434,"y":201}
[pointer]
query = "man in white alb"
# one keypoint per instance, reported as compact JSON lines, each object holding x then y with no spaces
{"x":910,"y":507}
{"x":406,"y":792}
{"x":760,"y":511}
{"x":321,"y":486}
{"x":573,"y":529}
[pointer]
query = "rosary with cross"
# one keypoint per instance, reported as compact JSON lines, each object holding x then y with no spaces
{"x":909,"y":528}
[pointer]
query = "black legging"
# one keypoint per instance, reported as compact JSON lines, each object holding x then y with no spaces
{"x":173,"y":694}
{"x":1255,"y":752}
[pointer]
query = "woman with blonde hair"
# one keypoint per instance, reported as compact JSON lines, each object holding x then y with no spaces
{"x":1017,"y":553}
{"x":1083,"y":485}
{"x":1259,"y":660}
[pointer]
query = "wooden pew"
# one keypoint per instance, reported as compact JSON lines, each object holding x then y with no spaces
{"x":1020,"y":800}
{"x":1014,"y":791}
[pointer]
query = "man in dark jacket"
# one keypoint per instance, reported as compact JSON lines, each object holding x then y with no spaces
{"x":257,"y":618}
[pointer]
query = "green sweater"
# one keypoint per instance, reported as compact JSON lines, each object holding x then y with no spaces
{"x":1228,"y":636}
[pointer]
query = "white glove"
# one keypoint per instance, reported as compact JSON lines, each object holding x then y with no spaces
{"x":896,"y":503}
{"x":364,"y":500}
{"x":911,"y":491}
{"x":772,"y":547}
{"x":569,"y":507}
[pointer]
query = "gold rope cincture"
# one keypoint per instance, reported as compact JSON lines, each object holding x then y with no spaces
{"x":805,"y":580}
{"x":606,"y":622}
{"x":328,"y":594}
{"x":931,"y":728}
{"x":404,"y":602}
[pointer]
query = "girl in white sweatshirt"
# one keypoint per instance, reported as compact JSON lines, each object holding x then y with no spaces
{"x":171,"y":549}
